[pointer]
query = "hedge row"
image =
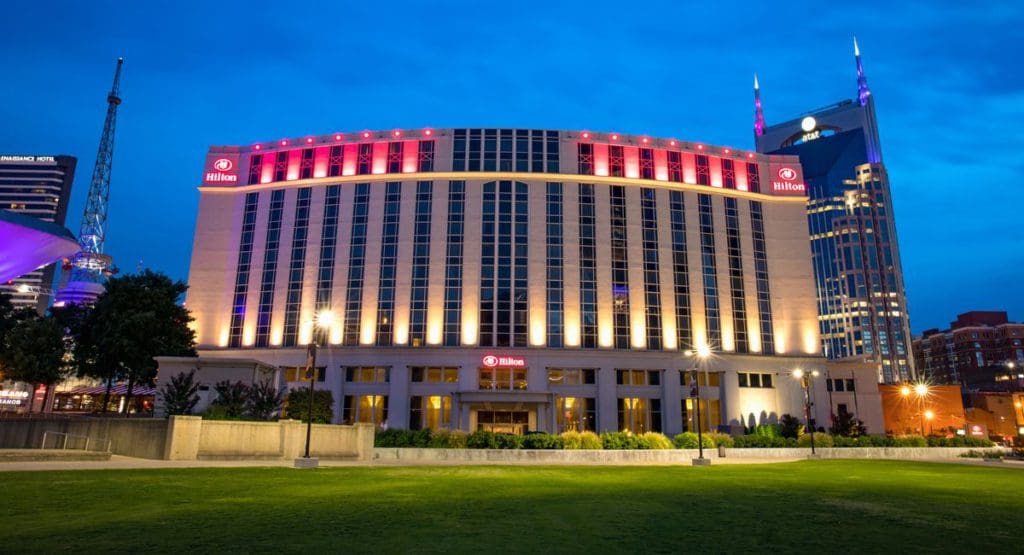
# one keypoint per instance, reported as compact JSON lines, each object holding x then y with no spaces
{"x":650,"y":440}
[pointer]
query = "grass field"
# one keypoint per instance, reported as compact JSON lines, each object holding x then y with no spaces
{"x":839,"y":506}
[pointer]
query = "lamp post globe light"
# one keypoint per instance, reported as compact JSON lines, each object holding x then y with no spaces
{"x":700,"y":357}
{"x":921,"y":390}
{"x":323,"y":321}
{"x":807,"y":384}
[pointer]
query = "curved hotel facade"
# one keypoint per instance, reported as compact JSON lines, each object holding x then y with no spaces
{"x":510,"y":279}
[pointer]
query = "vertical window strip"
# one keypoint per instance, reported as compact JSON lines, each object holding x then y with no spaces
{"x":680,"y":270}
{"x":453,"y":264}
{"x":710,"y":272}
{"x":588,"y":267}
{"x":739,"y":306}
{"x":255,"y":168}
{"x":620,"y":267}
{"x":420,"y":264}
{"x":675,"y":166}
{"x":395,"y":157}
{"x":356,"y":265}
{"x":753,"y":178}
{"x":703,"y":170}
{"x":488,"y":256}
{"x":490,"y":150}
{"x":551,"y":156}
{"x":269,"y":277}
{"x":364,"y":162}
{"x":728,"y":174}
{"x":242,"y":273}
{"x":296,"y":267}
{"x":306,"y":164}
{"x":328,"y":248}
{"x":646,"y":163}
{"x":520,"y":293}
{"x":616,"y":161}
{"x":281,"y":166}
{"x":426,"y":156}
{"x":652,"y":290}
{"x":585,"y":159}
{"x":555,"y":280}
{"x":388,"y":262}
{"x":504,"y":306}
{"x":505,"y":144}
{"x":335,"y":160}
{"x":764,"y":303}
{"x":459,"y":150}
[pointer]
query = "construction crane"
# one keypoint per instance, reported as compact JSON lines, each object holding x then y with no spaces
{"x":90,"y":267}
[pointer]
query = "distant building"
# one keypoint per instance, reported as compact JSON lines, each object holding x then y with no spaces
{"x":37,"y":186}
{"x":862,"y":304}
{"x":1001,"y":413}
{"x":982,"y":350}
{"x":931,"y":410}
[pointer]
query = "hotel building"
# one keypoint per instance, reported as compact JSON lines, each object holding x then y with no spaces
{"x":510,"y":279}
{"x":39,"y":187}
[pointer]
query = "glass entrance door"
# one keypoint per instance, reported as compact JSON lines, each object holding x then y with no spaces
{"x":503,"y":421}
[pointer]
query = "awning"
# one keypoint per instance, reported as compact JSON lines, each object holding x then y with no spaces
{"x":119,"y":389}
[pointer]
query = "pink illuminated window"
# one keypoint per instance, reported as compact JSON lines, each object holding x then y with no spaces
{"x":616,"y":161}
{"x":364,"y":164}
{"x":395,"y":157}
{"x":255,"y":167}
{"x":675,"y":166}
{"x":728,"y":174}
{"x":281,"y":166}
{"x":426,"y":157}
{"x":703,"y":170}
{"x":586,"y":158}
{"x":753,"y":178}
{"x":306,"y":164}
{"x":646,"y":163}
{"x":335,"y":161}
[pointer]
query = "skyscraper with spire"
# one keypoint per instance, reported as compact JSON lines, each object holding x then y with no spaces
{"x":862,"y":303}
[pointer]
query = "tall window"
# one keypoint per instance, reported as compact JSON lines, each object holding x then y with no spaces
{"x":269,"y":276}
{"x":703,"y":170}
{"x":459,"y":150}
{"x":364,"y":163}
{"x":335,"y":161}
{"x":764,"y":299}
{"x":710,"y":415}
{"x":255,"y":168}
{"x":675,"y":166}
{"x":639,"y":415}
{"x":371,"y":409}
{"x":296,"y":267}
{"x":430,"y":412}
{"x":585,"y":159}
{"x":555,"y":281}
{"x":710,"y":272}
{"x":680,"y":270}
{"x":753,"y":178}
{"x":388,"y":261}
{"x":306,"y":164}
{"x":505,"y":161}
{"x":490,"y":150}
{"x":328,"y":248}
{"x":576,"y":414}
{"x":426,"y":156}
{"x":420,"y":264}
{"x":503,"y":274}
{"x":453,"y":264}
{"x":395,"y":157}
{"x":739,"y":306}
{"x":502,"y":378}
{"x":620,"y":267}
{"x":588,"y":268}
{"x":551,"y":156}
{"x":356,"y":263}
{"x":652,"y":289}
{"x":728,"y":174}
{"x":616,"y":161}
{"x":646,"y":163}
{"x":242,"y":273}
{"x":281,"y":166}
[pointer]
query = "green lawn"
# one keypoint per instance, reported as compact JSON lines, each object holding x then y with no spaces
{"x":839,"y":506}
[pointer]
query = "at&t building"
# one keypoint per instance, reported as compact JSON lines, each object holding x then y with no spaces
{"x":509,"y":279}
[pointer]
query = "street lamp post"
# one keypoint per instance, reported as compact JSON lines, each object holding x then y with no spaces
{"x":323,"y":320}
{"x":806,"y":384}
{"x":702,"y":354}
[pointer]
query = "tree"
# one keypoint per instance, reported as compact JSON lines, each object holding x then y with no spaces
{"x":791,"y":426}
{"x":9,"y":317}
{"x":33,"y":352}
{"x":848,"y":426}
{"x":265,"y":400}
{"x":136,"y":319}
{"x":180,"y":395}
{"x":231,"y":397}
{"x":297,"y":405}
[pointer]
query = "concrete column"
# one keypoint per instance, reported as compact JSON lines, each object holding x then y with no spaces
{"x":672,"y":402}
{"x":607,"y":401}
{"x":182,"y":440}
{"x":398,"y":398}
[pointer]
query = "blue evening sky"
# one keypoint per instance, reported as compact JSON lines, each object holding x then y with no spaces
{"x":948,"y":88}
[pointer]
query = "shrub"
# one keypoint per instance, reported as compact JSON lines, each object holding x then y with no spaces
{"x":264,"y":401}
{"x":580,"y":440}
{"x":754,"y":440}
{"x":509,"y":441}
{"x":720,"y":439}
{"x":481,"y":439}
{"x":959,"y":441}
{"x":542,"y":441}
{"x":790,"y":426}
{"x":180,"y":394}
{"x":619,"y":440}
{"x":768,"y":430}
{"x":218,"y":412}
{"x":231,"y":397}
{"x":821,"y":439}
{"x":909,"y":441}
{"x":297,"y":405}
{"x":973,"y":454}
{"x":847,"y":425}
{"x":654,"y":440}
{"x":688,"y":440}
{"x":448,"y":439}
{"x":391,"y":438}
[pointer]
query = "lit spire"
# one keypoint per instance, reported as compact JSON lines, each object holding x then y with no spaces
{"x":758,"y":114}
{"x":863,"y":92}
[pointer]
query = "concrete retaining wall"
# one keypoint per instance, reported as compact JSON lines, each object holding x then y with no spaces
{"x":191,"y":438}
{"x":665,"y":456}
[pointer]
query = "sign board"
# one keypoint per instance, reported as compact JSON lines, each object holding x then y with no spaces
{"x":492,"y":361}
{"x":787,"y":179}
{"x":221,"y":169}
{"x":13,"y":398}
{"x":19,"y":158}
{"x":977,"y":430}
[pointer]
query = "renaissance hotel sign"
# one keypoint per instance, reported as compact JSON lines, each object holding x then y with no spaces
{"x":787,"y":179}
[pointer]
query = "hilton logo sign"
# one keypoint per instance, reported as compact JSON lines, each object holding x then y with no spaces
{"x":220,"y":169}
{"x":787,"y":180}
{"x":491,"y":361}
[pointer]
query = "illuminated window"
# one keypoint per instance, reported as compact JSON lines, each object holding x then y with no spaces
{"x":269,"y":273}
{"x":639,"y":415}
{"x":430,"y":412}
{"x":503,"y":378}
{"x":306,"y":164}
{"x":245,"y":243}
{"x":704,"y":379}
{"x":703,"y":170}
{"x":255,"y":168}
{"x":755,"y":379}
{"x":652,"y":289}
{"x":710,"y":415}
{"x":576,"y":414}
{"x":299,"y":374}
{"x":620,"y":267}
{"x":680,"y":270}
{"x":764,"y":303}
{"x":588,"y":268}
{"x":433,"y":374}
{"x":504,"y":307}
{"x":420,"y":264}
{"x":572,"y":376}
{"x":371,"y":409}
{"x":367,"y":374}
{"x":356,"y":263}
{"x":328,"y":248}
{"x":736,"y":288}
{"x":388,"y":263}
{"x":296,"y":267}
{"x":555,"y":280}
{"x":638,"y":377}
{"x":453,"y":263}
{"x":710,"y":272}
{"x":586,"y":159}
